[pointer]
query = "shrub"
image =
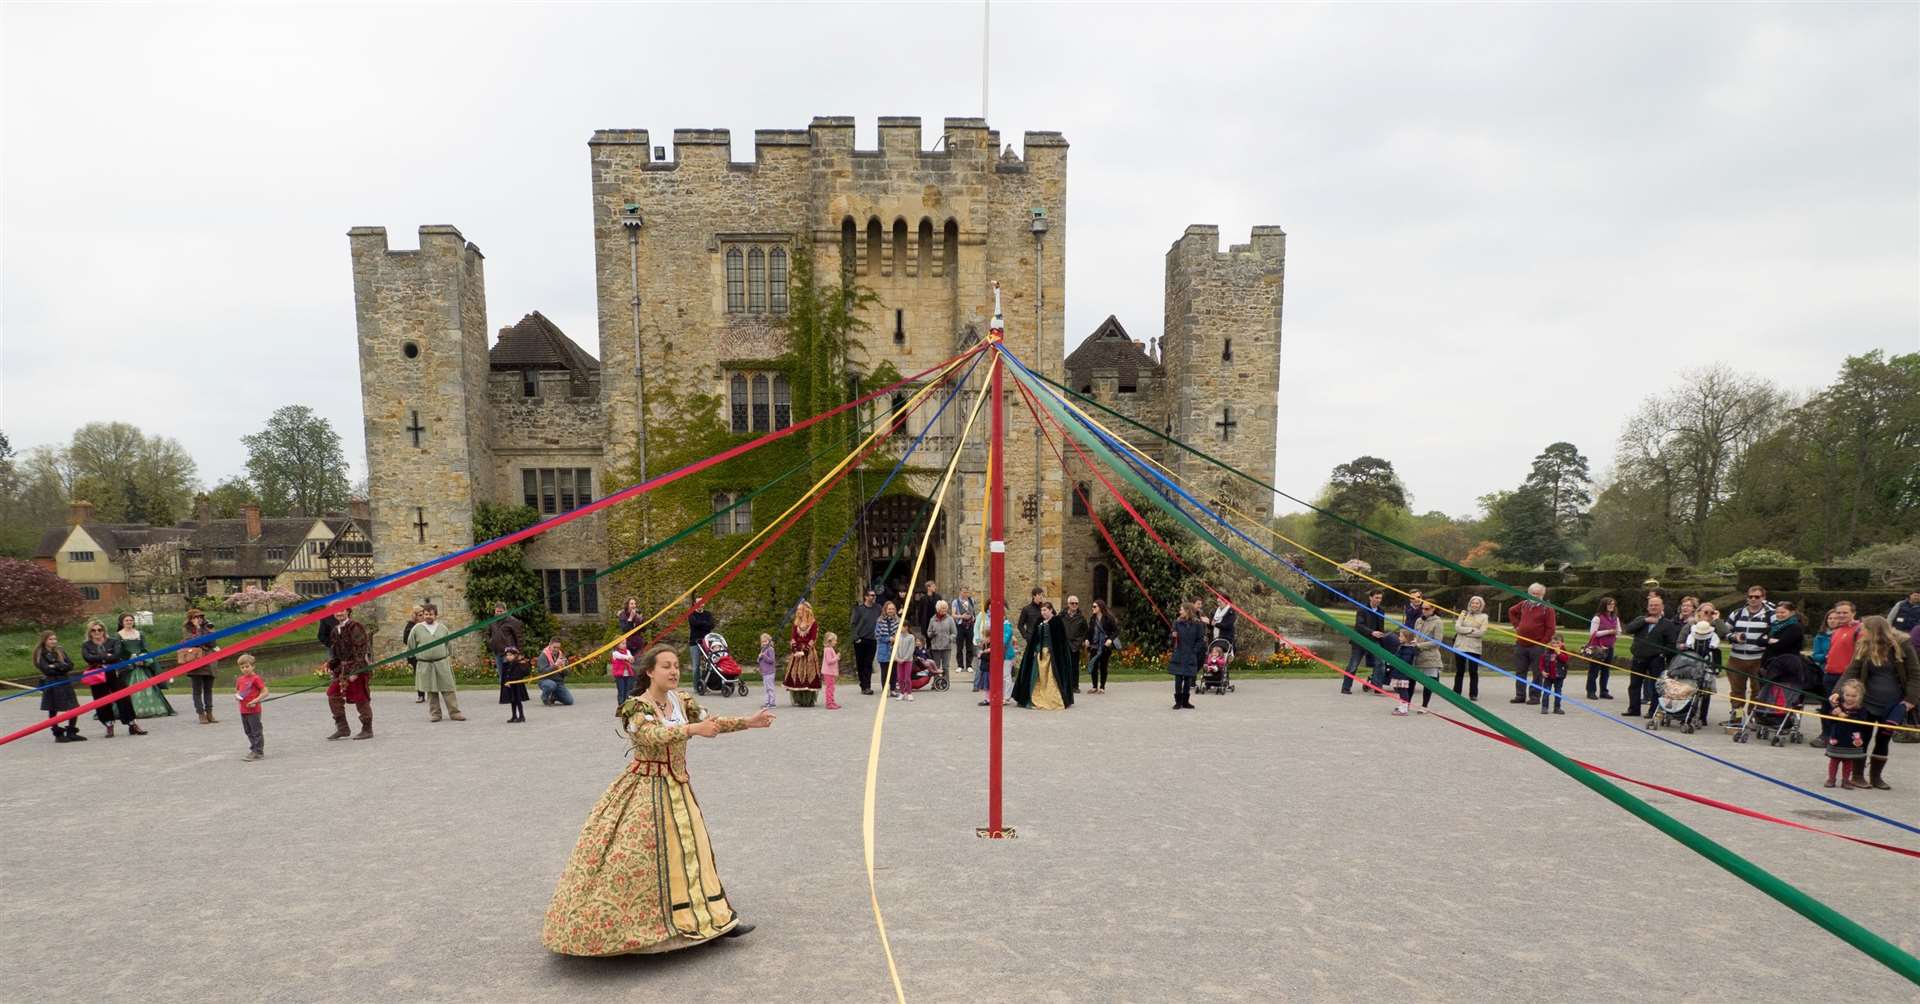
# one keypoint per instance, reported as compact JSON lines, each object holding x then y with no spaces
{"x":1897,"y":565}
{"x":31,"y":596}
{"x":1842,"y":577}
{"x":1754,"y":557}
{"x":1621,"y":563}
{"x":258,"y":601}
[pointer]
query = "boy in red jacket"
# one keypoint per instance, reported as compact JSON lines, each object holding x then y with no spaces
{"x":1553,"y":675}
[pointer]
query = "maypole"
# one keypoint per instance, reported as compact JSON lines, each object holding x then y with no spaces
{"x":996,"y":582}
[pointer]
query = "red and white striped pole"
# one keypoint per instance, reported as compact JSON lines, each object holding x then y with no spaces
{"x":996,"y":582}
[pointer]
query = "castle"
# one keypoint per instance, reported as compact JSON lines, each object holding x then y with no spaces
{"x":692,"y":261}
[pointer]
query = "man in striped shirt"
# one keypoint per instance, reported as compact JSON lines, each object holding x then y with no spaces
{"x":1747,"y":634}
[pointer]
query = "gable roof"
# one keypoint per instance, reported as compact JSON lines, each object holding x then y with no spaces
{"x":538,"y":344}
{"x":114,"y":538}
{"x":1110,"y":348}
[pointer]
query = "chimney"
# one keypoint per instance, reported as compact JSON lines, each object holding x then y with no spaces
{"x":360,"y":509}
{"x":252,"y":513}
{"x":79,"y":513}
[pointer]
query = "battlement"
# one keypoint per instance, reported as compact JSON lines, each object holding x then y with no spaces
{"x":1202,"y":240}
{"x":900,"y":137}
{"x":433,"y":236}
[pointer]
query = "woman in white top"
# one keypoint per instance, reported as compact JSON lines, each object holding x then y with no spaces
{"x":1469,"y":640}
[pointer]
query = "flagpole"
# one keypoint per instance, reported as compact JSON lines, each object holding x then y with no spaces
{"x":996,"y":584}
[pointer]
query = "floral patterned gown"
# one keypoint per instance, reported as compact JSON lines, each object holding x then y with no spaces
{"x":642,"y":877}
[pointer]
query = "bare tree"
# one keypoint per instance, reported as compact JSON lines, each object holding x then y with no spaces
{"x":1685,"y":445}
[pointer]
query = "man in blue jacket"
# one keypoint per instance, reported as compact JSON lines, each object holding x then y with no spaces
{"x":1371,"y":621}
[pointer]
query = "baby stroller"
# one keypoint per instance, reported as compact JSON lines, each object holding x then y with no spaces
{"x":1780,"y":683}
{"x":1214,"y":678}
{"x":1680,"y":693}
{"x":923,"y":665}
{"x":718,"y":671}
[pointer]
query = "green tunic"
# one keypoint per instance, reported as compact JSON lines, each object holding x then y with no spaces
{"x":151,"y":702}
{"x":433,"y":664}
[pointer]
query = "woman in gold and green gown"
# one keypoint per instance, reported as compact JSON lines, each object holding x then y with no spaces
{"x":642,"y":877}
{"x":1045,"y":679}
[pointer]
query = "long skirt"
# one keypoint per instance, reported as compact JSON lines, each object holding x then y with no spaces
{"x":803,"y":672}
{"x":151,"y":702}
{"x":641,"y":878}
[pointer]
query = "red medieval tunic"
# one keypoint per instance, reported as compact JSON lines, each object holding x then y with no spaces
{"x":803,"y":658}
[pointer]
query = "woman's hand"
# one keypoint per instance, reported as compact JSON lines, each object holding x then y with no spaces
{"x":705,"y":730}
{"x":760,"y":719}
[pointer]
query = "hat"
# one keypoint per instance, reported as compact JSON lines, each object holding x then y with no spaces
{"x":1702,"y":629}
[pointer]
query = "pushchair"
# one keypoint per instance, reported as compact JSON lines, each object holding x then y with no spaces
{"x":1781,"y":681}
{"x":1680,"y":695}
{"x":717,"y":671}
{"x":1214,"y":675}
{"x":923,"y":665}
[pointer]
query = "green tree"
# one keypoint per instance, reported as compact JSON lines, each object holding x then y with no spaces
{"x":296,"y":464}
{"x":1560,"y":473}
{"x":1165,"y":580}
{"x":1687,"y":444}
{"x":1629,"y":518}
{"x":503,"y":575}
{"x":129,"y":477}
{"x":224,"y":500}
{"x":1366,"y":491}
{"x":1522,"y":521}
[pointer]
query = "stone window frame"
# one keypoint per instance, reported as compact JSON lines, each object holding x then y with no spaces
{"x":571,"y":592}
{"x":1103,"y":586}
{"x":758,"y":401}
{"x":756,"y":273}
{"x":554,"y":490}
{"x":1080,"y":497}
{"x":308,"y":589}
{"x":727,"y":524}
{"x":81,"y":556}
{"x":89,"y":592}
{"x":274,"y":554}
{"x":225,"y":554}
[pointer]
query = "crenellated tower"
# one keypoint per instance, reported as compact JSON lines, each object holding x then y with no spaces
{"x":1221,"y":352}
{"x":421,"y":316}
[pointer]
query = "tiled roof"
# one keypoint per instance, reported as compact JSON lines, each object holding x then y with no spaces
{"x":1109,"y":348}
{"x":113,"y":537}
{"x":249,"y":556}
{"x":538,"y":344}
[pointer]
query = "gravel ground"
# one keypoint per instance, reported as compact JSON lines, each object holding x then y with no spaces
{"x":1282,"y":842}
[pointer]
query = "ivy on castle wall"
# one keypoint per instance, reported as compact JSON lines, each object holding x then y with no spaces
{"x":820,"y":326}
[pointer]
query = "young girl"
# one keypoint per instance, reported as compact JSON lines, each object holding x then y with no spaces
{"x":620,"y":664}
{"x":512,"y":690}
{"x":1847,"y":740}
{"x":766,"y":666}
{"x":1553,"y":674}
{"x":883,"y":631}
{"x":909,"y":648}
{"x":1403,"y":684}
{"x":830,"y":667}
{"x":1701,"y":642}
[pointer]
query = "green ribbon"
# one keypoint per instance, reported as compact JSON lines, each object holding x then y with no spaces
{"x":1846,"y":929}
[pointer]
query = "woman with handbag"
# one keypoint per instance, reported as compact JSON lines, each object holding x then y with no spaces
{"x":802,"y":675}
{"x":1601,"y":634}
{"x":100,"y":651}
{"x":202,"y":678}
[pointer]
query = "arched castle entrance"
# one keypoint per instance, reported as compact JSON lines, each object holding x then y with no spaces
{"x":892,"y":531}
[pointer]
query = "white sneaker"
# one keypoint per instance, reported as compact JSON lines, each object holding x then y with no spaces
{"x":1400,"y":711}
{"x":906,"y":697}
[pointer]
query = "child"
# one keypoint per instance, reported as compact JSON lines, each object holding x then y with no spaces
{"x":766,"y":666}
{"x":1846,"y":740}
{"x":923,"y":659}
{"x":250,"y":689}
{"x":513,"y":689}
{"x":1553,"y":675}
{"x":830,"y":667}
{"x":621,"y":666}
{"x":904,"y":654}
{"x":1402,"y":684}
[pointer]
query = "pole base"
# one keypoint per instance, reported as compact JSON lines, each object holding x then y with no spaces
{"x":989,"y":833}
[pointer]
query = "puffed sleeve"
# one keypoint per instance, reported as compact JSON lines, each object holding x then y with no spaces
{"x":647,"y":730}
{"x":697,"y":713}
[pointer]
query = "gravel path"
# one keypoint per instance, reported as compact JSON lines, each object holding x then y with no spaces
{"x":1283,"y":842}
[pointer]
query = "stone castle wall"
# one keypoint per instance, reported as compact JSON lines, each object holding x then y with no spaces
{"x":557,"y":428}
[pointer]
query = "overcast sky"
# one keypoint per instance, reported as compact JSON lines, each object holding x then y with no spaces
{"x":1506,"y":224}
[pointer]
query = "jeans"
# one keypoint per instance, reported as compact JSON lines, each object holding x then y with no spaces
{"x":553,"y":690}
{"x":1526,"y":666}
{"x":863,"y":652}
{"x":1558,"y":686}
{"x":1598,"y":673}
{"x":256,"y":736}
{"x":964,"y":636}
{"x":694,"y":661}
{"x":1465,"y":668}
{"x":1182,"y":691}
{"x":981,"y":673}
{"x":622,"y":689}
{"x":202,"y":693}
{"x":1097,"y":672}
{"x":1355,"y":656}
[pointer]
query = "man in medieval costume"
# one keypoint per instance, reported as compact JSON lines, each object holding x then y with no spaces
{"x":350,"y":647}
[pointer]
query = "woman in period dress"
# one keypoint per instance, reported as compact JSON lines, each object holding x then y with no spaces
{"x":642,"y":878}
{"x":99,"y":652}
{"x":1045,"y":679}
{"x":151,"y":702}
{"x":803,"y":656}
